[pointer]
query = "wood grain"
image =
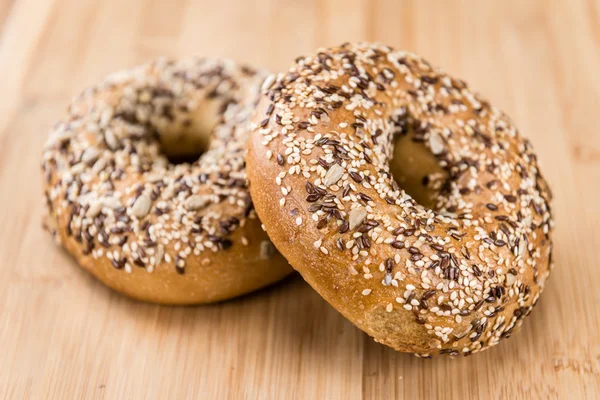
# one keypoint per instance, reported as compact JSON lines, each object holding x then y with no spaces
{"x":63,"y":335}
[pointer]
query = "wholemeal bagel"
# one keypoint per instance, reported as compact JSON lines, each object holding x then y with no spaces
{"x":453,"y":277}
{"x":161,"y":232}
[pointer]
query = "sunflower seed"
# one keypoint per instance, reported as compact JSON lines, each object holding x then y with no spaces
{"x":436,"y":143}
{"x":333,"y":175}
{"x":111,"y":202}
{"x":141,"y":207}
{"x":510,"y":279}
{"x":111,"y":139}
{"x":90,"y":155}
{"x":196,"y":202}
{"x":94,"y":209}
{"x":357,"y":216}
{"x":268,"y":83}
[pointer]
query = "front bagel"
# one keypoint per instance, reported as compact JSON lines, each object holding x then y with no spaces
{"x":157,"y":231}
{"x":451,"y":279}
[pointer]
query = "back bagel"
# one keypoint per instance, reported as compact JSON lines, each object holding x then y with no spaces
{"x":151,"y":229}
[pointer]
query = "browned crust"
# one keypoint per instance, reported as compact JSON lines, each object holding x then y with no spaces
{"x":229,"y":274}
{"x":429,"y":309}
{"x":157,"y":232}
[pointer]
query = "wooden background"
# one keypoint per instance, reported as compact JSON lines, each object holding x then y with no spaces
{"x":64,"y":336}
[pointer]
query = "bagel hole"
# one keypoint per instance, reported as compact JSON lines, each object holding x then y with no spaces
{"x":186,"y":143}
{"x":185,"y":158}
{"x":416,"y":170}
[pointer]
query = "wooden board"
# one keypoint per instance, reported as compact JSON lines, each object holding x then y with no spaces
{"x":65,"y":336}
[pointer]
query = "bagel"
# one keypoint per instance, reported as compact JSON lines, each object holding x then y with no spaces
{"x":450,"y":277}
{"x":158,"y":231}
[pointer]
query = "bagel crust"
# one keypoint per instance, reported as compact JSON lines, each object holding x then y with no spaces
{"x":156,"y":231}
{"x":451,"y":279}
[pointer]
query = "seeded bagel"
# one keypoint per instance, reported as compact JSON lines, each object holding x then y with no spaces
{"x":450,"y":268}
{"x":154,"y":230}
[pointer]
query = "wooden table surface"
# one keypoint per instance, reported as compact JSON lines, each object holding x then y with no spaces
{"x":65,"y":336}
